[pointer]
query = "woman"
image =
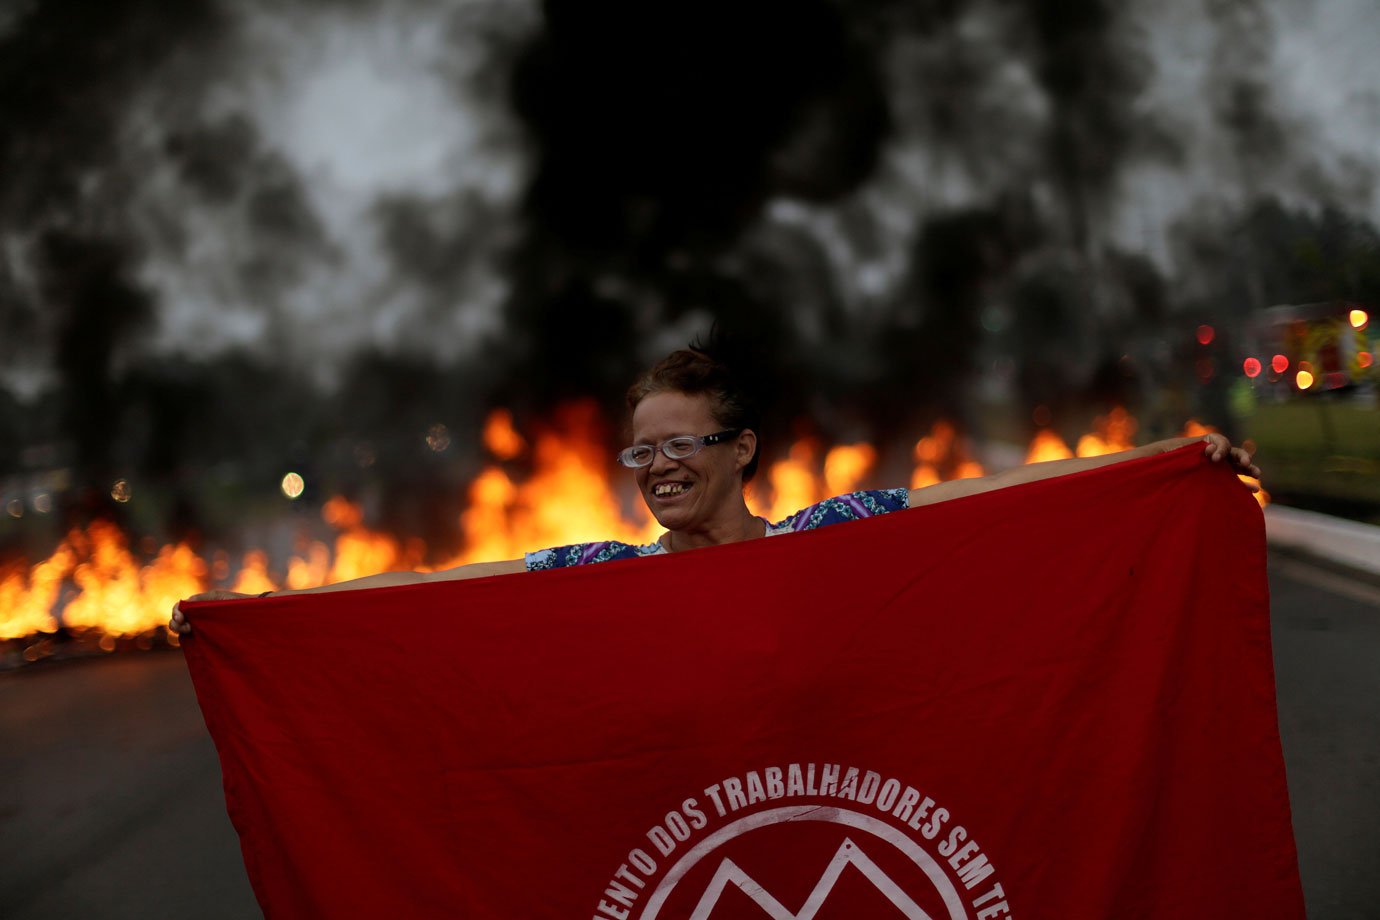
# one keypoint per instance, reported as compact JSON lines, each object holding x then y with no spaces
{"x":695,"y":448}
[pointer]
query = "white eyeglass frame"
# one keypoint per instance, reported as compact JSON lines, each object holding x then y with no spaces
{"x":697,"y":443}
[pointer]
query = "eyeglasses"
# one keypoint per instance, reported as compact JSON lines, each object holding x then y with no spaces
{"x":680,"y":448}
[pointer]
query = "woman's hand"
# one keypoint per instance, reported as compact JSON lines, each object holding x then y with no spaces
{"x":179,"y":624}
{"x":1218,"y":448}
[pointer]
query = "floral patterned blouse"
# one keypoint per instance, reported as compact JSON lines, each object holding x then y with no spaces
{"x":850,"y":507}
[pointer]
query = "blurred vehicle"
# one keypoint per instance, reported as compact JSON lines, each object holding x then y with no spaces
{"x":1309,"y":401}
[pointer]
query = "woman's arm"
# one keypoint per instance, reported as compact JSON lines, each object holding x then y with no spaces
{"x":390,"y":579}
{"x":178,"y":623}
{"x":1217,"y":449}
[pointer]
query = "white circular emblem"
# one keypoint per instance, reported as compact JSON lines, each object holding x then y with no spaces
{"x":850,"y":853}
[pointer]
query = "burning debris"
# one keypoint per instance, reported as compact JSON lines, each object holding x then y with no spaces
{"x":94,"y":586}
{"x":897,"y":202}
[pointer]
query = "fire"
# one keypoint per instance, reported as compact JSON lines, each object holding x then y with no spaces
{"x":485,"y":521}
{"x":361,"y":551}
{"x":569,"y":498}
{"x":555,"y":487}
{"x":924,"y":475}
{"x":1111,"y":433}
{"x":793,"y":482}
{"x":500,"y":438}
{"x":115,"y":596}
{"x":1196,"y":429}
{"x":310,"y":570}
{"x":26,"y":604}
{"x":253,"y":577}
{"x":846,"y":466}
{"x":1047,"y":445}
{"x":357,"y":551}
{"x":341,"y":513}
{"x":942,"y":455}
{"x":801,"y":480}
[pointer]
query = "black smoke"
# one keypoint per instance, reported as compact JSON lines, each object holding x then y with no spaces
{"x":659,"y":134}
{"x":685,"y":164}
{"x":69,"y":71}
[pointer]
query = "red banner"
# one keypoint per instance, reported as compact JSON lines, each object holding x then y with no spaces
{"x":1055,"y":700}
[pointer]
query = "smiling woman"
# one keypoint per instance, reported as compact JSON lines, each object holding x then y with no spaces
{"x":694,"y":431}
{"x":694,"y":448}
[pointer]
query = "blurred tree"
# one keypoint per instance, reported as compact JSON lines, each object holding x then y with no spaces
{"x":1270,"y":253}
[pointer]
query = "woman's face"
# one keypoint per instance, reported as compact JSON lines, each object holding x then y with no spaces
{"x":684,"y":494}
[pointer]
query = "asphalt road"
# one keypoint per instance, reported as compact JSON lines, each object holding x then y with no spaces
{"x":111,"y":806}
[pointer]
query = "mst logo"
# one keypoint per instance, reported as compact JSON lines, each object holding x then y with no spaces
{"x":834,"y":842}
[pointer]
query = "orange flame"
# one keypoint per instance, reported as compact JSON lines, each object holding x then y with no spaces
{"x":793,"y":483}
{"x":846,"y":466}
{"x":1047,"y":445}
{"x":311,"y":571}
{"x":26,"y":607}
{"x":924,"y":475}
{"x":1196,"y":429}
{"x":942,"y":455}
{"x":1111,"y":433}
{"x":253,"y":577}
{"x":118,"y":597}
{"x":500,"y":438}
{"x":573,"y":493}
{"x":569,"y":498}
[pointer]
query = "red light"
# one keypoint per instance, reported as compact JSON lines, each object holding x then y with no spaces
{"x":1205,"y":335}
{"x":1365,"y":358}
{"x":1251,"y":367}
{"x":1279,"y":364}
{"x":1335,"y":379}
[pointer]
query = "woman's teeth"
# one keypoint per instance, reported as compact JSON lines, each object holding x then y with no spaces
{"x":664,"y":489}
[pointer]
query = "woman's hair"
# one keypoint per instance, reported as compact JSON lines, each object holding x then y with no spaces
{"x":695,"y":371}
